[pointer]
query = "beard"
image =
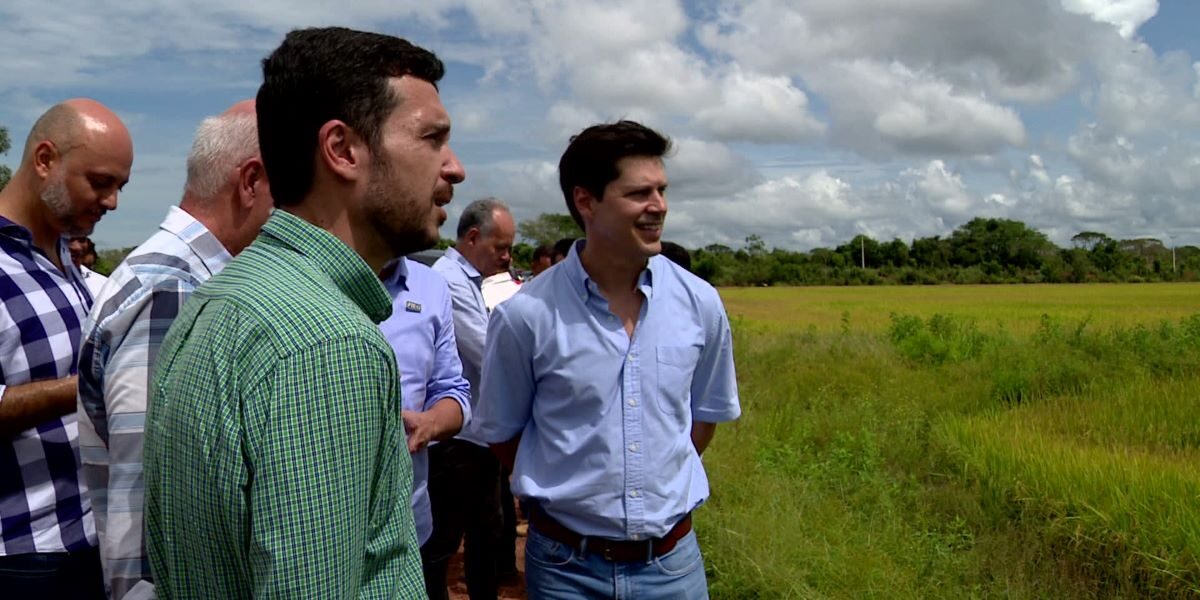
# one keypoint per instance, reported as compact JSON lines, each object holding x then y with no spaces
{"x":405,"y":222}
{"x":58,"y":199}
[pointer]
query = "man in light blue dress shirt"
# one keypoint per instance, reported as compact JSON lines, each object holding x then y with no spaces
{"x":435,"y":395}
{"x":604,"y":379}
{"x":464,"y":476}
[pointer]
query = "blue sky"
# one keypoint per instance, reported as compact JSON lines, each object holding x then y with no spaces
{"x":803,"y":121}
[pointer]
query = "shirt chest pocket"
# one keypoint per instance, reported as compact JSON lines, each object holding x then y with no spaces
{"x":675,"y":367}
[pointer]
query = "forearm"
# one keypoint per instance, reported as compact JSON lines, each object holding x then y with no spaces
{"x":25,"y":406}
{"x":446,"y":418}
{"x":506,"y":452}
{"x":702,"y":434}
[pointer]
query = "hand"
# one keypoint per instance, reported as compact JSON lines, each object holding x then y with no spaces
{"x":419,"y":427}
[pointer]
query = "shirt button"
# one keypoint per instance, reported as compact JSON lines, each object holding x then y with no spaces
{"x":632,"y":402}
{"x":635,"y":494}
{"x":634,"y":447}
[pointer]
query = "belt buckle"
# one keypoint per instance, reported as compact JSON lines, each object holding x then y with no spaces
{"x":607,"y":553}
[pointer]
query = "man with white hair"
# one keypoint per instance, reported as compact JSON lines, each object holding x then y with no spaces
{"x":225,"y":202}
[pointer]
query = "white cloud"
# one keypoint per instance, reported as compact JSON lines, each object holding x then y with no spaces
{"x":1126,"y":15}
{"x":659,"y":78}
{"x":942,"y":190}
{"x":1117,"y":161}
{"x":566,"y":119}
{"x":887,"y":109}
{"x":759,"y":108}
{"x":1017,"y":49}
{"x":702,"y":169}
{"x":1141,"y":93}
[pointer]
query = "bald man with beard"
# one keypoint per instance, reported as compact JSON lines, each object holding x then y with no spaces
{"x":75,"y":162}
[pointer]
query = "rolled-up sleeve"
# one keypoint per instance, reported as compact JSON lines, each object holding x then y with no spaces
{"x":507,"y":384}
{"x":446,"y":380}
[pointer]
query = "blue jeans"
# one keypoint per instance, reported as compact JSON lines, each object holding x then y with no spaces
{"x":557,"y":571}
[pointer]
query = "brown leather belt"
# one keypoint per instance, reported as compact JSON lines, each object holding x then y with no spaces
{"x":611,"y":550}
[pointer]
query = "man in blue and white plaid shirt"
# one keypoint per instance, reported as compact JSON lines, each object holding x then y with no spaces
{"x":225,"y":202}
{"x":75,"y":162}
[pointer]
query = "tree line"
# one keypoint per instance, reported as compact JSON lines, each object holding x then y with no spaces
{"x":983,"y":250}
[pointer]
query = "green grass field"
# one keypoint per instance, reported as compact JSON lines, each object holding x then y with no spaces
{"x":956,"y":442}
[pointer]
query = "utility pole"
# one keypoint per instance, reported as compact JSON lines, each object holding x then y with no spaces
{"x":862,"y":244}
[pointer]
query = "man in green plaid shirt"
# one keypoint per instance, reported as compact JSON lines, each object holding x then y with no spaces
{"x":275,"y":459}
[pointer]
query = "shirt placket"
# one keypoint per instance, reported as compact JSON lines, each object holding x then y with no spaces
{"x":635,"y":472}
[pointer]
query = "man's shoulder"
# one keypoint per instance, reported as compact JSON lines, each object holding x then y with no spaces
{"x":684,"y":281}
{"x":425,"y":275}
{"x":277,"y":294}
{"x":448,"y":268}
{"x":535,"y":300}
{"x":161,"y":262}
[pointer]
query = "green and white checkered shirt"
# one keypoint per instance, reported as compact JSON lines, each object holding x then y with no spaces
{"x":275,"y":459}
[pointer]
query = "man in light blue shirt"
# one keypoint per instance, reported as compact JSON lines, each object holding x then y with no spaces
{"x":435,"y":396}
{"x":464,"y":476}
{"x":604,"y":379}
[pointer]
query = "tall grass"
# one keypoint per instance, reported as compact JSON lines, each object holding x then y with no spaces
{"x":947,"y":456}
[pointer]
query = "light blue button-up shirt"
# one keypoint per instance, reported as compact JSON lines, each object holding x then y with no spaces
{"x":605,"y":420}
{"x":421,"y":332}
{"x":470,"y":324}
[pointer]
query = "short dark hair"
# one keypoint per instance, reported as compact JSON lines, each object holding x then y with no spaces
{"x":320,"y":74}
{"x":543,"y":251}
{"x":563,"y":247}
{"x":89,"y":247}
{"x":677,"y":254}
{"x":590,"y":160}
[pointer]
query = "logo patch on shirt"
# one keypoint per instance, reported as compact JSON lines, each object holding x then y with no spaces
{"x":411,"y":306}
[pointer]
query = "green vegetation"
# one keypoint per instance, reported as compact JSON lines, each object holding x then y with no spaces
{"x":960,"y":443}
{"x":548,"y":228}
{"x":980,"y":251}
{"x":5,"y":145}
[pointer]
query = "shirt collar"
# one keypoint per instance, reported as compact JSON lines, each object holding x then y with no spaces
{"x":22,"y":234}
{"x":198,"y":238}
{"x":13,"y":229}
{"x":466,"y":265}
{"x":395,"y":274}
{"x":332,"y":257}
{"x":583,"y":284}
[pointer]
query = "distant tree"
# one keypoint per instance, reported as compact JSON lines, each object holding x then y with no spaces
{"x":1089,"y":240}
{"x":548,"y":228}
{"x":853,"y":252}
{"x":521,"y":254}
{"x":5,"y":172}
{"x":755,"y":246}
{"x":1146,"y":248}
{"x":931,"y":252}
{"x":107,"y":260}
{"x":1007,"y":243}
{"x":894,"y":253}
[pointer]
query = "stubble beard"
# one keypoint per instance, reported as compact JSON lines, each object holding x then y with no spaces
{"x":397,"y":218}
{"x":57,"y":199}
